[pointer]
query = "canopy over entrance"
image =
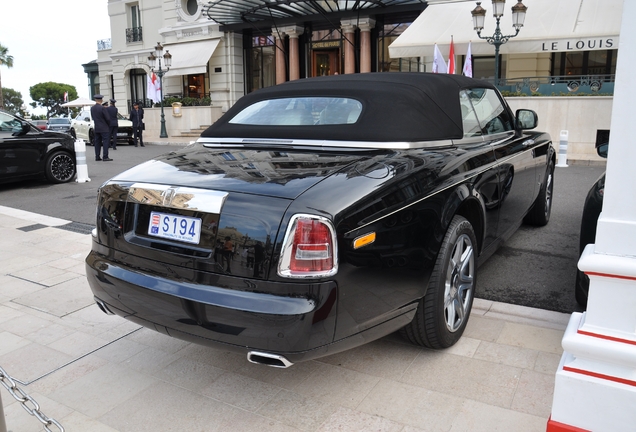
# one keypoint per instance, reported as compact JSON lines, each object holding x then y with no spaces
{"x":245,"y":13}
{"x":191,"y":57}
{"x":550,"y":26}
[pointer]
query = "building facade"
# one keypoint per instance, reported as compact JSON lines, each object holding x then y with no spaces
{"x":223,"y":49}
{"x":564,"y":47}
{"x":221,"y":55}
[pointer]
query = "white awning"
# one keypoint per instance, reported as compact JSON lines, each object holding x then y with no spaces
{"x":550,"y":26}
{"x":191,"y":57}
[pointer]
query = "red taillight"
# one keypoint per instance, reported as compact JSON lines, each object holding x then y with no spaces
{"x":309,"y":249}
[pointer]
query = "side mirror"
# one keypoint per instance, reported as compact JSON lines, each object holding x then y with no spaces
{"x":601,"y":149}
{"x":602,"y":142}
{"x":86,"y":119}
{"x":526,"y":119}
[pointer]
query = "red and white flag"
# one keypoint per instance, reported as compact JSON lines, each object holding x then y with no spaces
{"x":439,"y":65}
{"x":451,"y":58}
{"x":65,"y":96}
{"x":468,"y":64}
{"x":153,"y":89}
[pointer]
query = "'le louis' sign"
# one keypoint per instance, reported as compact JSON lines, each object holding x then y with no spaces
{"x":587,"y":44}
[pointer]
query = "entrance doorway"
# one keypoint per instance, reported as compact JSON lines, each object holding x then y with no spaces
{"x":326,"y":62}
{"x":138,"y":88}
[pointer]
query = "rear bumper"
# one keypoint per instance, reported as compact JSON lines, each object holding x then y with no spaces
{"x":227,"y":315}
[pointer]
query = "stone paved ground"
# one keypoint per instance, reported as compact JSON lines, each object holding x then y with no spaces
{"x":99,"y":373}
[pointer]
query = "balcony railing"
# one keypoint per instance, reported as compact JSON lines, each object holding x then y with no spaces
{"x":103,"y":44}
{"x":134,"y":34}
{"x":564,"y":85}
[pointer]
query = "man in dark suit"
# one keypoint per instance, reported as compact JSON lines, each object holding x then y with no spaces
{"x":137,"y":119}
{"x":112,"y":113}
{"x":101,"y":129}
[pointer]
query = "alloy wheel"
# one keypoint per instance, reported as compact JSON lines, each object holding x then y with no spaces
{"x":459,"y":283}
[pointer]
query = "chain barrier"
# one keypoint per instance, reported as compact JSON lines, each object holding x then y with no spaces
{"x":26,"y":400}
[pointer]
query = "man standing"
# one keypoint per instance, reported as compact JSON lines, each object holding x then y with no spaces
{"x":137,"y":119}
{"x":101,"y":128}
{"x":112,"y":113}
{"x":228,"y":253}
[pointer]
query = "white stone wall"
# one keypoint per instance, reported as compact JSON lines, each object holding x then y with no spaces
{"x":227,"y":86}
{"x":161,"y":22}
{"x":581,"y":116}
{"x":192,"y":118}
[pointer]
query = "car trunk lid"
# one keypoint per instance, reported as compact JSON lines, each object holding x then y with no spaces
{"x":216,"y":211}
{"x":277,"y":173}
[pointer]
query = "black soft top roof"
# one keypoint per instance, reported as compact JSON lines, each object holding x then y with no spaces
{"x":397,"y":107}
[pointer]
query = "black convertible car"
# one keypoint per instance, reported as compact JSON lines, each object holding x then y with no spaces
{"x":321,"y":214}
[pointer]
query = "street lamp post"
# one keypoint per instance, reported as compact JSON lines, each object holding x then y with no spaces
{"x":498,"y":39}
{"x":155,"y":65}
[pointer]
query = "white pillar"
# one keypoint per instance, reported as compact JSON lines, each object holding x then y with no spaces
{"x":595,"y":385}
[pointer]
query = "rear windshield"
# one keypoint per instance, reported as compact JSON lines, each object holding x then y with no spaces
{"x":59,"y":121}
{"x":300,"y":111}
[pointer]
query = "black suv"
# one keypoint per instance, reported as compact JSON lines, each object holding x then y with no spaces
{"x":26,"y":151}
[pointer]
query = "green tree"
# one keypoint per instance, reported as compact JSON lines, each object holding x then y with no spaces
{"x":5,"y":60}
{"x":13,"y":101}
{"x":50,"y":95}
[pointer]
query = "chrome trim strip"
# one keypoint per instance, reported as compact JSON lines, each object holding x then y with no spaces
{"x":397,"y":145}
{"x":505,"y":136}
{"x":515,"y":155}
{"x":177,"y":197}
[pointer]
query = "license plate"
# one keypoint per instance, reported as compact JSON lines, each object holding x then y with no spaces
{"x":122,"y":134}
{"x":175,"y":227}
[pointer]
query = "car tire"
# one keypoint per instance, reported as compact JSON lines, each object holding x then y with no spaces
{"x":443,"y":312}
{"x":582,"y":287}
{"x":60,"y":167}
{"x":91,"y":137}
{"x":539,"y":214}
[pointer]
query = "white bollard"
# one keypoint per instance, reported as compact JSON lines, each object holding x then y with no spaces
{"x":80,"y":157}
{"x":563,"y":149}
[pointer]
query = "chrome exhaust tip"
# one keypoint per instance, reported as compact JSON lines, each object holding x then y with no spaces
{"x":103,"y":307}
{"x":267,"y":359}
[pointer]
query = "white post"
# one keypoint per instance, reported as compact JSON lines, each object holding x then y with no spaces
{"x":563,"y":149}
{"x":80,"y":161}
{"x":595,"y":385}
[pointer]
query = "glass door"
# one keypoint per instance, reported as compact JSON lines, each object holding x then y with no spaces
{"x":326,"y":62}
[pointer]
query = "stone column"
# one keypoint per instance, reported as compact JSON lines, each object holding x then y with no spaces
{"x":348,"y":29}
{"x":595,"y":385}
{"x":365,"y":25}
{"x":281,"y":75}
{"x":294,"y":55}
